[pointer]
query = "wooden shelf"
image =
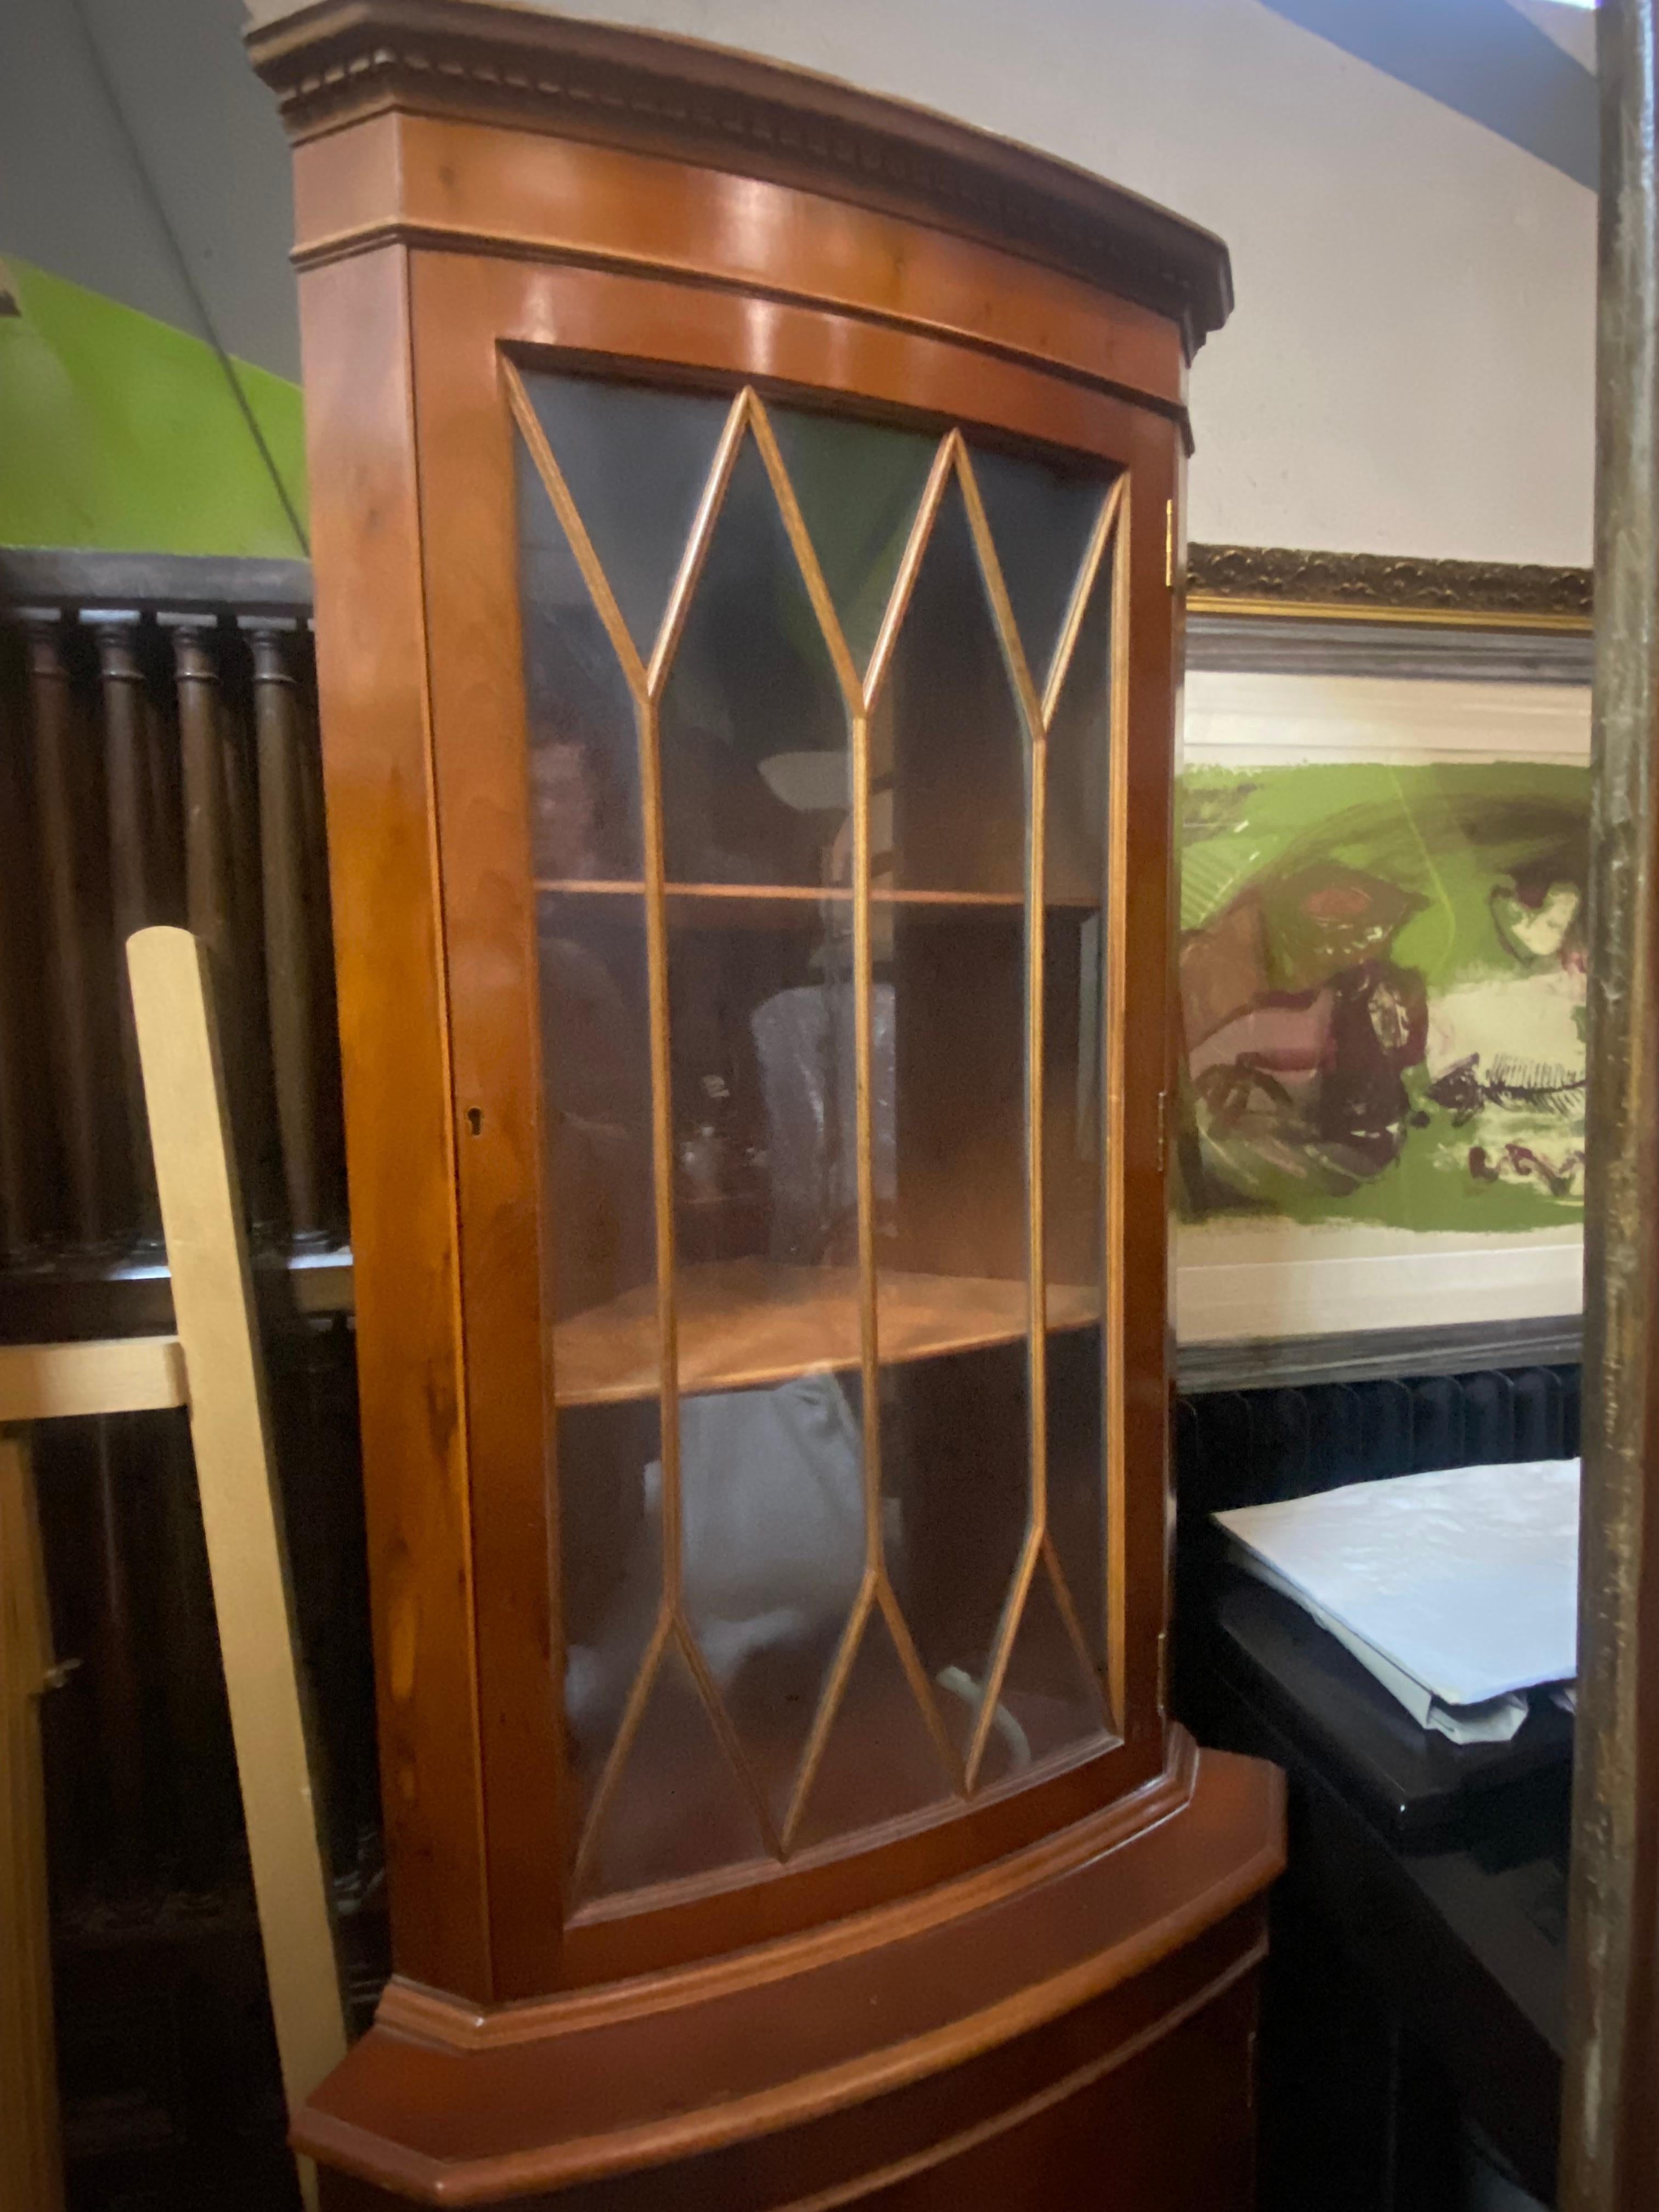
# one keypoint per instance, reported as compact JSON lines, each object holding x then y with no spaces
{"x":746,"y":1322}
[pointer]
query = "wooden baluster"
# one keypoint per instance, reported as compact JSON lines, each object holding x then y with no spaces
{"x":69,"y":912}
{"x":261,"y":1168}
{"x":331,"y":1135}
{"x":208,"y":884}
{"x":291,"y":978}
{"x":132,"y":867}
{"x":211,"y":840}
{"x":22,"y":1213}
{"x":166,"y":802}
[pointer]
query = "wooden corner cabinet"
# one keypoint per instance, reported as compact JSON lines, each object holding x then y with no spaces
{"x":748,"y":545}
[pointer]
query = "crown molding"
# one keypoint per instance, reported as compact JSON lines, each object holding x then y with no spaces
{"x":336,"y":61}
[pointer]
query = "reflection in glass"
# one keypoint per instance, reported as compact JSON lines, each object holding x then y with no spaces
{"x":812,"y":1656}
{"x":636,"y":460}
{"x":595,"y":992}
{"x":949,"y":735}
{"x":946,"y":748}
{"x":880,"y":1761}
{"x":1041,"y":514}
{"x":584,"y":753}
{"x":610,"y":1470}
{"x":678,"y":1807}
{"x":859,"y":485}
{"x":596,"y":1120}
{"x":772,"y":1553}
{"x":754,"y":775}
{"x":1049,"y":1692}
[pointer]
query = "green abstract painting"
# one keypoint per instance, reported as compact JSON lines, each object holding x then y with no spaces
{"x":1383,"y":995}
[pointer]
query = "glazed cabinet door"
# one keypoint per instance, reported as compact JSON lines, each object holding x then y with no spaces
{"x":819,"y":718}
{"x":756,"y":766}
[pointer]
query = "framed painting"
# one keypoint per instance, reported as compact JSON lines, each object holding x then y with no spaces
{"x":1385,"y":822}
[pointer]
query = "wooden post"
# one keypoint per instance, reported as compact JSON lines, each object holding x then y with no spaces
{"x":208,"y":892}
{"x":290,"y":936}
{"x":22,"y":1216}
{"x":241,"y":1511}
{"x":73,"y":1025}
{"x":31,"y":2154}
{"x":1610,"y":2148}
{"x":131,"y":864}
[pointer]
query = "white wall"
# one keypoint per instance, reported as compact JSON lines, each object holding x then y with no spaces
{"x":1409,"y":366}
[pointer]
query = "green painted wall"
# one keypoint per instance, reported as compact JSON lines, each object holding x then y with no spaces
{"x":120,"y":434}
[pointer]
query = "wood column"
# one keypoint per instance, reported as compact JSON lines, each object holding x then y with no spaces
{"x":132,"y":867}
{"x":222,"y":888}
{"x":22,"y":1215}
{"x":209,"y":889}
{"x":290,"y":880}
{"x":72,"y":1025}
{"x":1610,"y":2152}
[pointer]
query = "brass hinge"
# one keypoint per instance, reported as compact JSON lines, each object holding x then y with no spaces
{"x":1168,"y":545}
{"x":1162,"y":1131}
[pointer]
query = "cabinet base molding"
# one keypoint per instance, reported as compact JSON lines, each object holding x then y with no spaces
{"x":1082,"y":2009}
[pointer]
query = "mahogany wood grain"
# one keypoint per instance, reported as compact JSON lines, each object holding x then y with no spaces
{"x":1161,"y":2116}
{"x":469,"y":186}
{"x":480,"y":786}
{"x":963,"y":1997}
{"x":371,"y":672}
{"x":629,"y":2079}
{"x":479,"y":749}
{"x":602,"y":86}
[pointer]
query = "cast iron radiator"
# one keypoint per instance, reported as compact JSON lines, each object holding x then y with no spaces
{"x":1253,"y":1447}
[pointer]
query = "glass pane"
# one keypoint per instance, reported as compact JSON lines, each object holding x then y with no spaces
{"x":949,"y":948}
{"x":636,"y":460}
{"x":755,"y":769}
{"x":1051,"y":1700}
{"x":947,"y":767}
{"x":879,"y":1760}
{"x":772,"y":1555}
{"x":597,"y":1122}
{"x":761,"y":1028}
{"x":1075,"y":818}
{"x":595,"y":1025}
{"x":678,"y":1808}
{"x":771,"y":1594}
{"x":610,"y":1476}
{"x":584,"y":750}
{"x":859,"y":485}
{"x":1041,"y":514}
{"x":754,"y":729}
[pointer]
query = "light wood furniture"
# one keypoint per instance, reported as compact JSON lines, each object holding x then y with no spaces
{"x":748,"y":544}
{"x":203,"y":1222}
{"x":213,"y":1366}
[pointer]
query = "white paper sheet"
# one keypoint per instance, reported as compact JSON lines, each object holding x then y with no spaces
{"x":1465,"y":1582}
